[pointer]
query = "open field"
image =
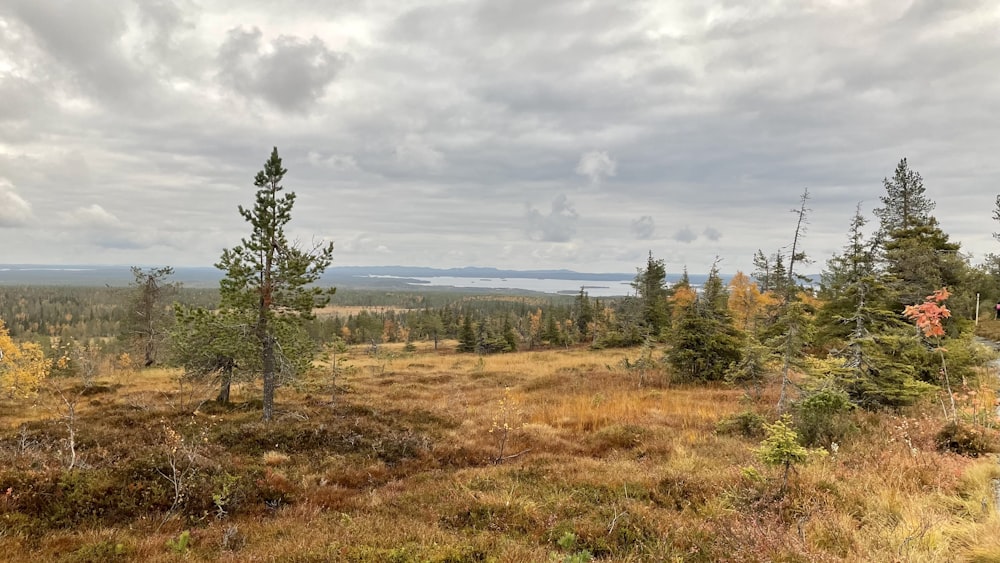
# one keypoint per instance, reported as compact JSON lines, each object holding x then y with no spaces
{"x":435,"y":456}
{"x":345,"y":310}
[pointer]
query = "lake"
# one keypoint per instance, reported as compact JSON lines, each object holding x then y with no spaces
{"x":568,"y":287}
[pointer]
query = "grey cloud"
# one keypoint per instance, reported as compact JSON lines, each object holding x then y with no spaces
{"x":289,"y":73}
{"x":558,"y":226}
{"x":685,"y":235}
{"x":415,"y":152}
{"x":15,"y":211}
{"x":85,"y":37}
{"x":644,"y":227}
{"x":163,"y":18}
{"x":338,"y":162}
{"x":720,"y":109}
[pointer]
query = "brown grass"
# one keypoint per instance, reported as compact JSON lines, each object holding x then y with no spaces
{"x":400,"y":465}
{"x":345,"y":311}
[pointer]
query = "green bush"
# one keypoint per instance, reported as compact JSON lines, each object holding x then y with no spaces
{"x":748,"y":424}
{"x":823,"y":417}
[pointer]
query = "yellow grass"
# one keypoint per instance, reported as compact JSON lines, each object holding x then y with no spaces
{"x":345,"y":311}
{"x":627,"y":462}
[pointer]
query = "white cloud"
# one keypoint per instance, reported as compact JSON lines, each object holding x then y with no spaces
{"x":15,"y":211}
{"x":596,"y":165}
{"x":92,"y":216}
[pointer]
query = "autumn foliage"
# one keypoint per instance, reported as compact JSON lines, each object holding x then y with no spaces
{"x":22,"y":367}
{"x":929,"y":315}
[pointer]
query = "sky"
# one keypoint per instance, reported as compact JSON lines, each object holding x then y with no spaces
{"x":520,"y":134}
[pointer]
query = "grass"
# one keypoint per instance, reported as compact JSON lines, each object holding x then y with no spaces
{"x":400,"y":465}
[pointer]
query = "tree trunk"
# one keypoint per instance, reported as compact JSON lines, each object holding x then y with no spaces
{"x":270,"y":377}
{"x":227,"y":381}
{"x":150,"y":350}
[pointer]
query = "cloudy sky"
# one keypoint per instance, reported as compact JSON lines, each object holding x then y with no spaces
{"x":518,"y":133}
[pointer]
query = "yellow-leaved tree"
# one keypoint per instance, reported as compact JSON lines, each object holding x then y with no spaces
{"x":22,"y":367}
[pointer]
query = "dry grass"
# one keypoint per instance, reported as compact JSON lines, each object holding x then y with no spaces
{"x":399,"y":465}
{"x":345,"y":311}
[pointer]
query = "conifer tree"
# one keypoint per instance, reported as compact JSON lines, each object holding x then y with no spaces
{"x":704,"y":342}
{"x":271,"y":276}
{"x":905,"y":204}
{"x":148,"y":317}
{"x":215,"y":345}
{"x":467,"y":335}
{"x":650,"y":286}
{"x":857,"y":324}
{"x":793,"y":324}
{"x":914,"y":248}
{"x":583,"y":313}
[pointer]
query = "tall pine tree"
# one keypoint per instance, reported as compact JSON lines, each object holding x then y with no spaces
{"x":269,"y":275}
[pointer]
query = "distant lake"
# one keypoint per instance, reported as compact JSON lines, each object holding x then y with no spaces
{"x":566,"y":287}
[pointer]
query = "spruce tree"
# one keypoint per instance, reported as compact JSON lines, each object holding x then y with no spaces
{"x":467,"y":340}
{"x":914,"y":248}
{"x":651,"y":289}
{"x":583,"y":312}
{"x":905,"y":204}
{"x":793,"y":323}
{"x":704,"y":341}
{"x":858,"y":325}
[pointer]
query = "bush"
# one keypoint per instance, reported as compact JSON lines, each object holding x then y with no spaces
{"x":748,"y":424}
{"x":964,"y":439}
{"x":823,"y":417}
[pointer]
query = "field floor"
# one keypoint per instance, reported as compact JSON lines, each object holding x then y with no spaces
{"x":555,"y":455}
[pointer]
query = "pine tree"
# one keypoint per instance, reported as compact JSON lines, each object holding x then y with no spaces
{"x":270,"y":276}
{"x":214,"y":345}
{"x":148,"y":317}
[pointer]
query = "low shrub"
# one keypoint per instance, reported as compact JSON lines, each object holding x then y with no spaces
{"x":823,"y":417}
{"x":965,"y":439}
{"x":748,"y":424}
